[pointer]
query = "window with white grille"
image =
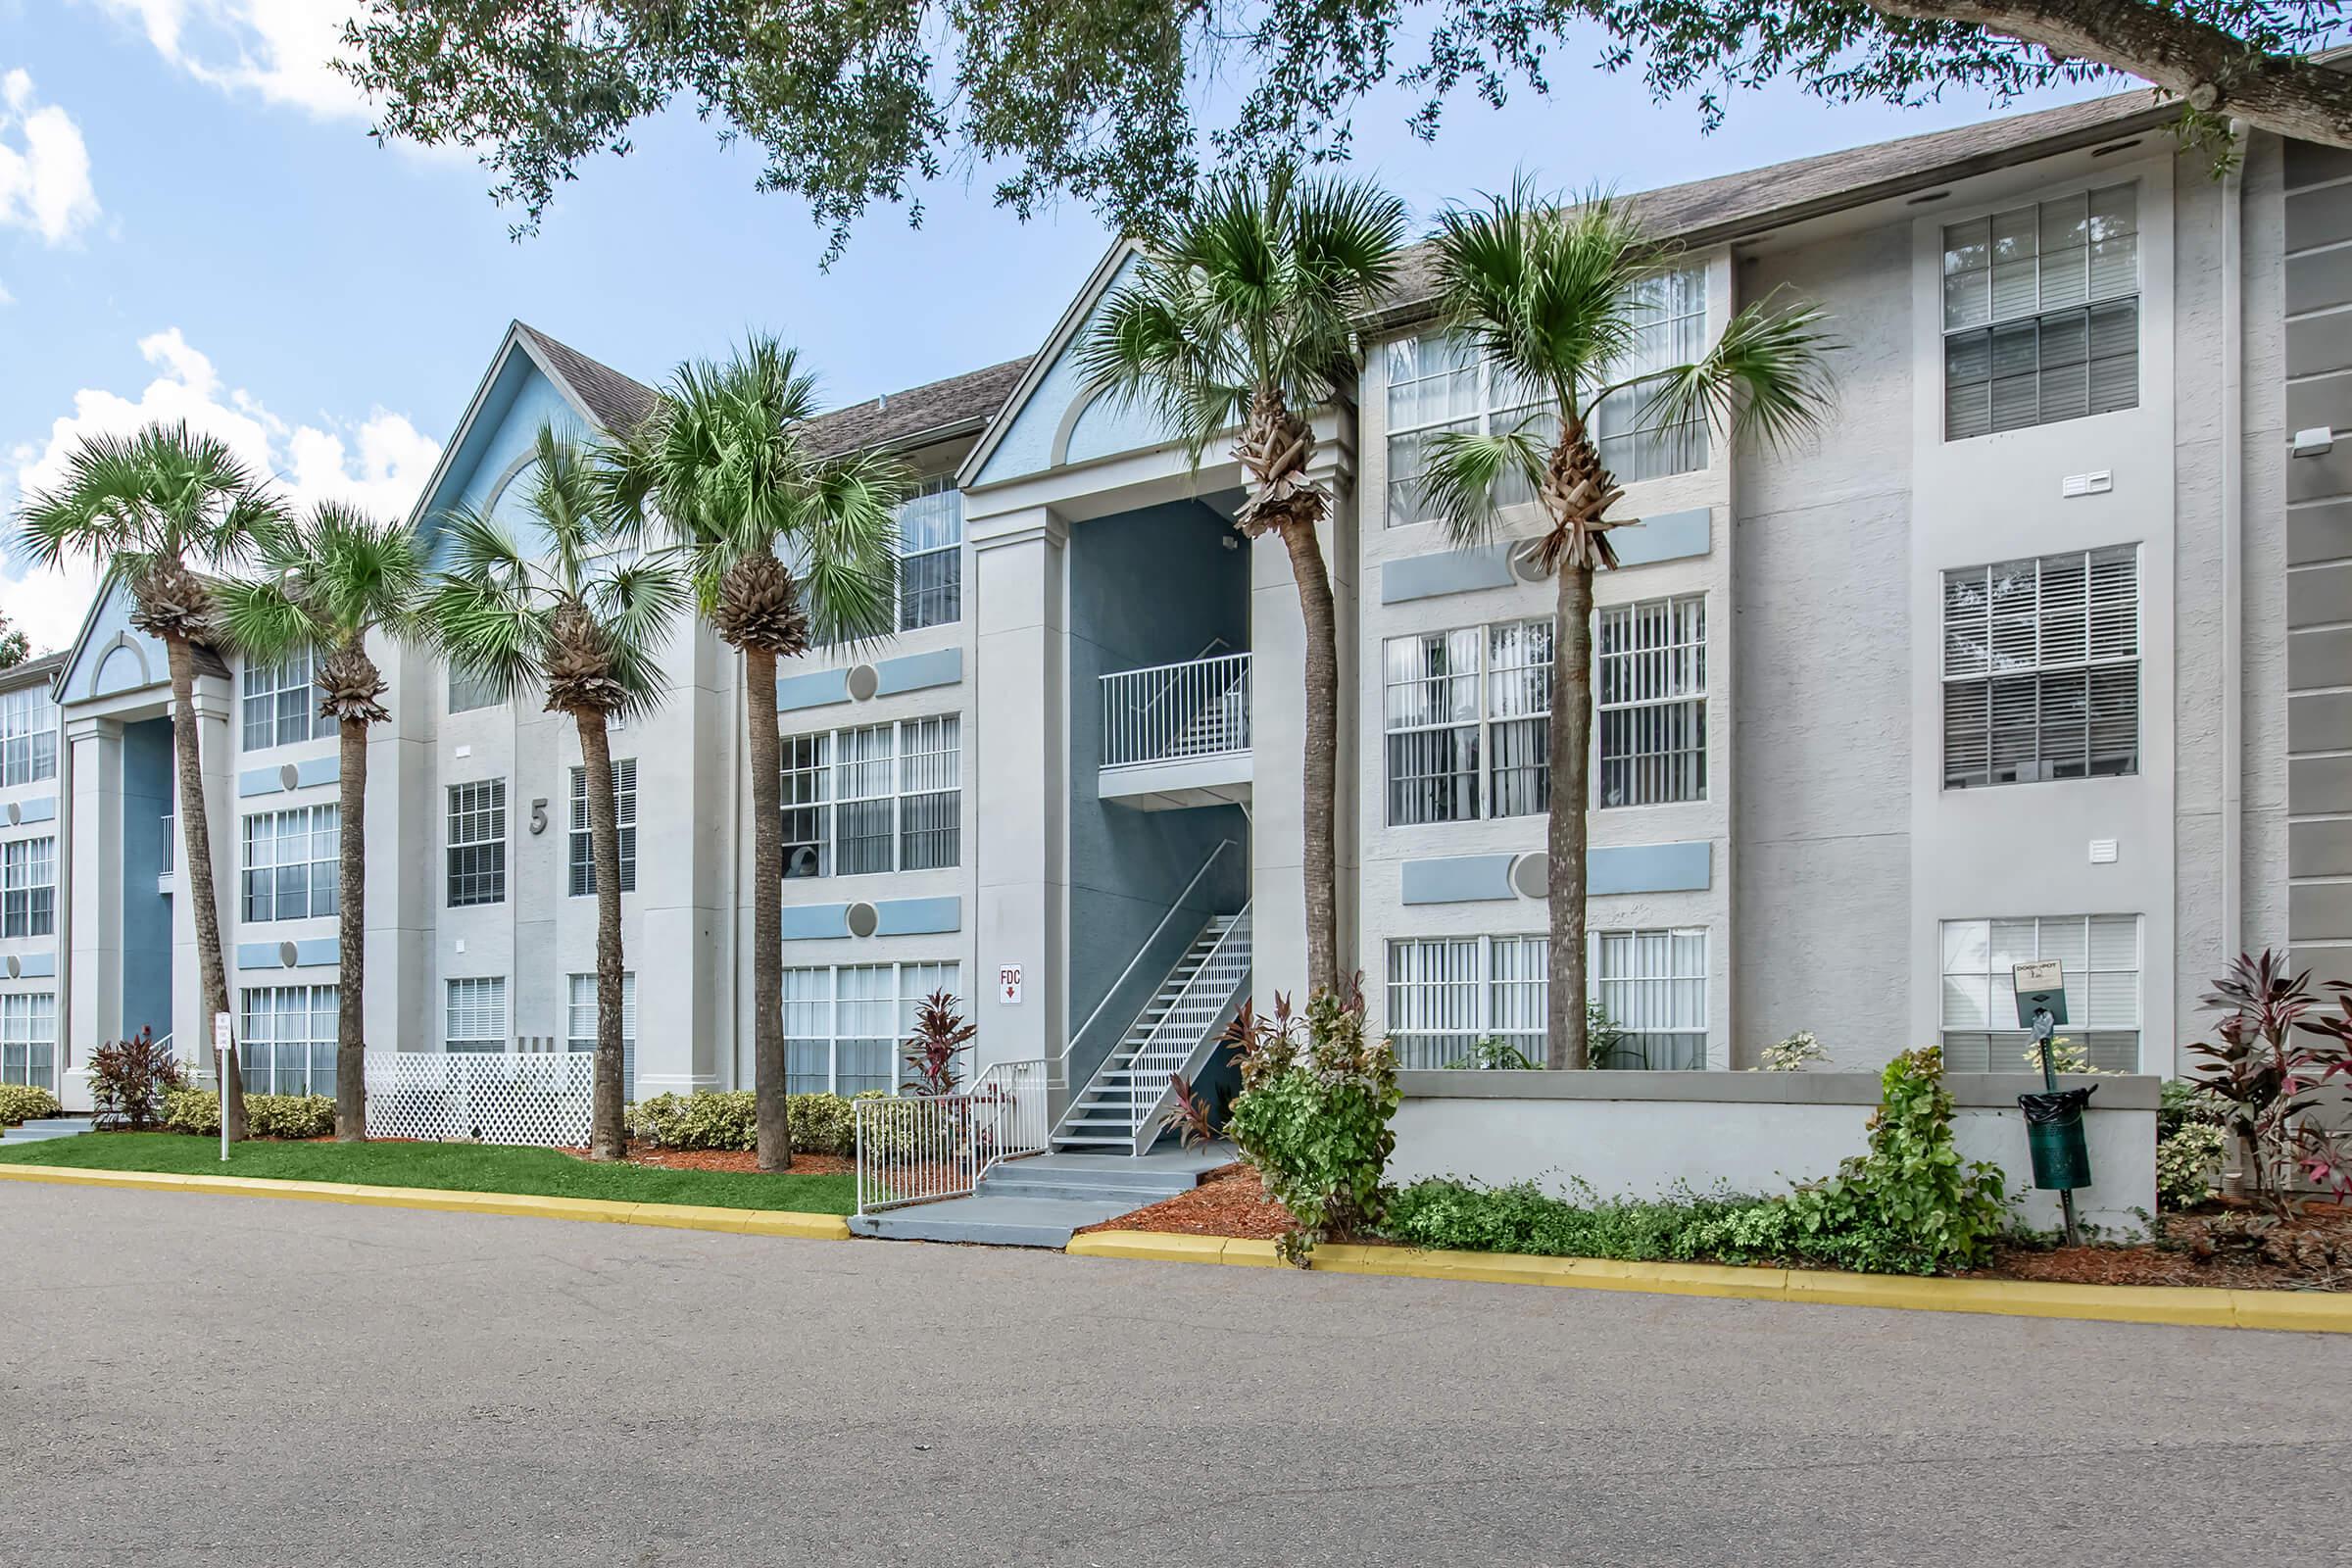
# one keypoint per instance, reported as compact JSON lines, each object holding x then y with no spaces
{"x":845,"y":1026}
{"x":477,"y":843}
{"x":931,"y":555}
{"x":1651,"y":674}
{"x":293,"y":862}
{"x":27,"y":735}
{"x":469,"y":692}
{"x":29,"y":888}
{"x":1457,"y":697}
{"x":1653,"y":987}
{"x":1438,"y":382}
{"x":2041,"y":313}
{"x":2041,"y":669}
{"x":28,"y":1039}
{"x":286,"y":1038}
{"x":281,"y":704}
{"x":624,"y":818}
{"x":476,"y":1019}
{"x":881,"y":797}
{"x":2100,"y":957}
{"x":1447,"y":994}
{"x":580,"y":1025}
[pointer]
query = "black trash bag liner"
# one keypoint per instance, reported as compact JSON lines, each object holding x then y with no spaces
{"x":2056,"y":1107}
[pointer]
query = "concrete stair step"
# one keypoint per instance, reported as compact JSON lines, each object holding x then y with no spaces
{"x":990,"y":1220}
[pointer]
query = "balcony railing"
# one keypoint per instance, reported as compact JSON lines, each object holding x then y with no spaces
{"x":1176,"y":712}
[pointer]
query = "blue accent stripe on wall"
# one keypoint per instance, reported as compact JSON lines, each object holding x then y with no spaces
{"x":37,"y":964}
{"x":1649,"y":868}
{"x":257,"y":955}
{"x":1447,"y":571}
{"x":42,"y":809}
{"x":942,"y":666}
{"x":813,"y":690}
{"x":910,"y":917}
{"x":316,"y":951}
{"x":259,"y":781}
{"x":810,"y":923}
{"x":1458,"y":879}
{"x":1672,"y":537}
{"x":319,"y":771}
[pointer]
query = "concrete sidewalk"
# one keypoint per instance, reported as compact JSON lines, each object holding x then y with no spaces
{"x":218,"y":1383}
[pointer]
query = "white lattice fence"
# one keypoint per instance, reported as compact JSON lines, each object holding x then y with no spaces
{"x":493,"y":1098}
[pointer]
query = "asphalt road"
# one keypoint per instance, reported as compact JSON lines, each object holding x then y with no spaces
{"x":224,"y":1380}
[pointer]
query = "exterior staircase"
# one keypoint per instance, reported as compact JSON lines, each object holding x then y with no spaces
{"x":47,"y":1127}
{"x":1120,"y":1108}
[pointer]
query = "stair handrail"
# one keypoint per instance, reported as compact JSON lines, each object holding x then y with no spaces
{"x":1236,"y":676}
{"x":1237,"y":929}
{"x":1145,"y":947}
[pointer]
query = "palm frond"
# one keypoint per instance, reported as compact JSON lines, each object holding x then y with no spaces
{"x":848,"y":562}
{"x":1461,"y":469}
{"x":261,"y":618}
{"x":1767,"y":377}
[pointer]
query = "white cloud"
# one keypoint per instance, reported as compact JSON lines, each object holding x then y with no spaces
{"x":379,"y":463}
{"x":44,"y":165}
{"x":280,"y":49}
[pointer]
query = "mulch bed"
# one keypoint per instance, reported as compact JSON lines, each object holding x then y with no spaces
{"x":1229,"y":1201}
{"x":734,"y":1161}
{"x":2226,"y":1246}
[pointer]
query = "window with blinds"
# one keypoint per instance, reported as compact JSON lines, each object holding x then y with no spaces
{"x":1653,"y":987}
{"x":2100,"y":956}
{"x":469,"y":692}
{"x":281,"y":702}
{"x":844,"y":1024}
{"x":27,"y":736}
{"x":477,"y":1019}
{"x":293,"y":863}
{"x":931,"y":555}
{"x":1468,"y":719}
{"x":1447,"y":994}
{"x":2041,"y":669}
{"x":579,"y":1024}
{"x":477,"y":843}
{"x":882,"y":797}
{"x":582,"y":847}
{"x":28,"y":1039}
{"x":28,"y":886}
{"x":2041,"y":313}
{"x":1650,"y":678}
{"x":287,"y":1045}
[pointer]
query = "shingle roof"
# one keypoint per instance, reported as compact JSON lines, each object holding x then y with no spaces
{"x":1755,"y":200}
{"x":616,"y":402}
{"x":961,"y":403}
{"x":44,"y":669}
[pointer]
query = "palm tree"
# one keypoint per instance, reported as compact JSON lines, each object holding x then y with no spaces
{"x":327,"y":583}
{"x":158,"y":510}
{"x":1242,"y":316}
{"x":785,"y":546}
{"x":586,"y":622}
{"x":1552,"y":294}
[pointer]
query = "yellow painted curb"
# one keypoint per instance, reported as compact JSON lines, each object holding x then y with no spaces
{"x":2188,"y":1306}
{"x":663,"y":1216}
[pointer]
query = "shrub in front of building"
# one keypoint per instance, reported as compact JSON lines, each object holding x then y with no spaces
{"x":728,"y":1119}
{"x":1312,"y":1117}
{"x":25,"y":1102}
{"x":197,"y":1112}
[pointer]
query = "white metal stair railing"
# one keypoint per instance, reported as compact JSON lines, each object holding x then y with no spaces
{"x":1175,"y":1033}
{"x":919,"y":1149}
{"x":1174,"y":712}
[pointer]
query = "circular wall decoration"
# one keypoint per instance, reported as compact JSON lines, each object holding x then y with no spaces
{"x":16,"y":967}
{"x":863,"y":918}
{"x":1525,"y":562}
{"x":16,"y":813}
{"x":285,"y":954}
{"x":864,"y":681}
{"x":1531,"y":876}
{"x":289,"y":776}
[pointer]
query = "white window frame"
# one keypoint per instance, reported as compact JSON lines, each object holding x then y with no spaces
{"x":2105,"y":1000}
{"x":2073,"y":639}
{"x":317,"y":830}
{"x":924,"y":768}
{"x":478,"y":1004}
{"x":28,"y":886}
{"x":273,"y":698}
{"x":27,"y":736}
{"x":28,"y":1039}
{"x":931,"y":531}
{"x":1448,"y":993}
{"x":579,"y":1023}
{"x":580,"y":846}
{"x":814,"y":1020}
{"x":479,"y":856}
{"x":1651,"y":1009}
{"x":1652,"y":691}
{"x":1498,"y":701}
{"x":2002,"y":299}
{"x":263,"y":1014}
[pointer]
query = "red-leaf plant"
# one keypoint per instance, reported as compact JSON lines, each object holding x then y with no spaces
{"x":1190,"y":1119}
{"x":2269,"y":1072}
{"x":940,"y":1035}
{"x":129,"y":1079}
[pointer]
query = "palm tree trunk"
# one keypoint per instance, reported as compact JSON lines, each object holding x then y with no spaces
{"x":195,"y":831}
{"x":1321,"y":744}
{"x":1571,"y":749}
{"x":606,"y":1138}
{"x":772,"y":1108}
{"x":351,"y":1037}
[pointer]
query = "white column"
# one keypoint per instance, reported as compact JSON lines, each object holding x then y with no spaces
{"x":92,"y":865}
{"x":1020,"y":779}
{"x":217,"y":739}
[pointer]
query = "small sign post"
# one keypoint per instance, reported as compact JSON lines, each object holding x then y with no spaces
{"x":2061,"y":1158}
{"x":224,"y":1051}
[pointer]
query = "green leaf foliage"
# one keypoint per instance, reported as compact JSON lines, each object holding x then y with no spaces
{"x":25,"y":1102}
{"x":285,"y":1116}
{"x":1312,"y":1117}
{"x":728,"y":1119}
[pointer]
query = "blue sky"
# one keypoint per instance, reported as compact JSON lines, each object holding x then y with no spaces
{"x":194,"y":224}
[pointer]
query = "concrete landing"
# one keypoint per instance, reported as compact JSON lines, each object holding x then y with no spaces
{"x":45,"y":1128}
{"x":1042,"y":1200}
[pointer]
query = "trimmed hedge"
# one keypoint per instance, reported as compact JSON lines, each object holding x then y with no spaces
{"x":296,"y":1116}
{"x":26,"y":1102}
{"x":822,"y":1124}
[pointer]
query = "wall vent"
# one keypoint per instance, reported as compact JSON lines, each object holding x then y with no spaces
{"x":864,"y":680}
{"x":862,"y":919}
{"x":2087,"y":484}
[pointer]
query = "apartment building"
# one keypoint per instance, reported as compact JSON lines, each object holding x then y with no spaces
{"x":2042,"y":649}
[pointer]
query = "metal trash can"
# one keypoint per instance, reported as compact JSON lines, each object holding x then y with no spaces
{"x":2054,"y":1138}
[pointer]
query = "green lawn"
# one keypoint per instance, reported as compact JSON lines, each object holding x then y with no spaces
{"x":458,"y":1167}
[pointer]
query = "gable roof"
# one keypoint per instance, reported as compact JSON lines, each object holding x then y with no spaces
{"x":43,"y":672}
{"x":618,"y":403}
{"x":1753,"y":201}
